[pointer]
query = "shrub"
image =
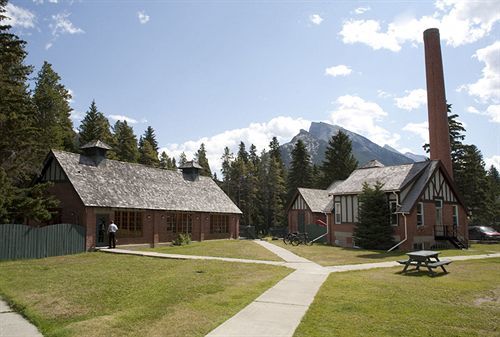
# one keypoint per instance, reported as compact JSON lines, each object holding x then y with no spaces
{"x":182,"y":239}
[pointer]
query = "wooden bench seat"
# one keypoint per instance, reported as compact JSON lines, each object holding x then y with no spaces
{"x":438,"y":263}
{"x":406,"y":262}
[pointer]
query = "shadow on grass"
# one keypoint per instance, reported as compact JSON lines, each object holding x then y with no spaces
{"x":420,"y":273}
{"x":380,"y":255}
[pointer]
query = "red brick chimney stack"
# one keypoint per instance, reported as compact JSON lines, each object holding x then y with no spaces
{"x":439,"y":139}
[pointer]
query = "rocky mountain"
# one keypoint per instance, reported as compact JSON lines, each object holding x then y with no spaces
{"x":316,"y":141}
{"x":412,"y":156}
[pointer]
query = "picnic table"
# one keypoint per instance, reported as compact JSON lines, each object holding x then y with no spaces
{"x":426,"y":258}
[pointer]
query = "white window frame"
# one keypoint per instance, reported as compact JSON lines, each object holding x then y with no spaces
{"x":420,"y":212}
{"x":455,"y":216}
{"x":393,"y":205}
{"x":338,"y":213}
{"x":439,"y":211}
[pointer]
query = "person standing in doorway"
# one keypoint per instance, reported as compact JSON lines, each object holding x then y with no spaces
{"x":112,"y":229}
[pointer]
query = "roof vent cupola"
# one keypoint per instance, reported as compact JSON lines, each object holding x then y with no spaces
{"x":190,"y":170}
{"x":96,"y":151}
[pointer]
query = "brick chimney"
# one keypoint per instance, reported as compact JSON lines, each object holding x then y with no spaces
{"x":439,"y":138}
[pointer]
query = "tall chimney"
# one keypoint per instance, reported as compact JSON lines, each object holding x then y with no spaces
{"x":439,"y":138}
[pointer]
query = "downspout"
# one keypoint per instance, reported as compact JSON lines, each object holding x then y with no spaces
{"x":406,"y":227}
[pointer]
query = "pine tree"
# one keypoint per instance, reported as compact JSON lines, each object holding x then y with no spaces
{"x":125,"y":142}
{"x":52,"y":116}
{"x":201,"y":157}
{"x":150,"y":136}
{"x":373,"y":230}
{"x":300,"y":174}
{"x":182,"y":159}
{"x":473,"y":184}
{"x":316,"y":177}
{"x":95,"y":126}
{"x":19,"y":134}
{"x":494,"y":191}
{"x":227,"y":158}
{"x":339,"y":161}
{"x":166,"y":162}
{"x":277,"y":193}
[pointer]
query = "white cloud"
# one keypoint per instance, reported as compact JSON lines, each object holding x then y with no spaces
{"x":48,"y":45}
{"x":123,"y":118}
{"x":413,"y":100}
{"x":360,"y":116}
{"x":383,"y":94}
{"x":78,"y":116}
{"x":38,"y":2}
{"x":143,"y":17}
{"x":460,"y":22}
{"x":62,"y":25}
{"x":420,"y":129}
{"x":487,"y":88}
{"x":259,"y":134}
{"x":53,"y":1}
{"x":19,"y":17}
{"x":492,"y":111}
{"x":493,"y":160}
{"x":361,"y":10}
{"x":340,"y":70}
{"x":316,"y":19}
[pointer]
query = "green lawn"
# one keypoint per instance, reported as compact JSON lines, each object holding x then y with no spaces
{"x":382,"y":302}
{"x":331,"y":256}
{"x":239,"y":249}
{"x":96,"y":294}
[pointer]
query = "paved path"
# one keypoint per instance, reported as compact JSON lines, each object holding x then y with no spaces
{"x":14,"y":325}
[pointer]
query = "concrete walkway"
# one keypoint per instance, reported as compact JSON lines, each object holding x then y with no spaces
{"x":14,"y":325}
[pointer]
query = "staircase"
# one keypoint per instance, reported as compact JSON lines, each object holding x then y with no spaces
{"x":450,"y":233}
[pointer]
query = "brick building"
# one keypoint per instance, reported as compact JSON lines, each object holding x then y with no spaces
{"x":149,"y":205}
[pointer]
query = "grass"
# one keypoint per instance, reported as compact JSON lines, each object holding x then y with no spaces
{"x":382,"y":302}
{"x":326,"y":255}
{"x":96,"y":294}
{"x":239,"y":249}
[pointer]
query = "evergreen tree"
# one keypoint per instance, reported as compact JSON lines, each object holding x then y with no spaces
{"x":182,"y":159}
{"x":125,"y":142}
{"x":339,"y":161}
{"x":52,"y":115}
{"x":473,"y":184}
{"x":201,"y":157}
{"x":277,"y":193}
{"x":373,"y":230}
{"x":494,"y":191}
{"x":150,"y":136}
{"x":166,"y":162}
{"x":242,"y":153}
{"x":300,"y":174}
{"x":316,"y":177}
{"x":19,"y":141}
{"x":227,"y":158}
{"x":95,"y":126}
{"x":148,"y":155}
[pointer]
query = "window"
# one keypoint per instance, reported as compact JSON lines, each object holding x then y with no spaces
{"x":420,"y":214}
{"x":338,"y":214}
{"x":219,"y":223}
{"x":439,"y":212}
{"x":182,"y":222}
{"x":393,"y":206}
{"x":129,"y":223}
{"x":455,"y":215}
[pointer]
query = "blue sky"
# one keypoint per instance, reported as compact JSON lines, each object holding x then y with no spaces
{"x":223,"y":71}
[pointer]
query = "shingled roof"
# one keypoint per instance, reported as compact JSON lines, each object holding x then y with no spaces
{"x":127,"y":185}
{"x":394,"y":178}
{"x":316,"y":200}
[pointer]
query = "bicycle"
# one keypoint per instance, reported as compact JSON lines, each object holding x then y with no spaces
{"x":288,"y":238}
{"x":301,"y":238}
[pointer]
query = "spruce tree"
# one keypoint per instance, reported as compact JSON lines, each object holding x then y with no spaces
{"x":95,"y":126}
{"x":201,"y":157}
{"x":300,"y":174}
{"x":166,"y":162}
{"x":150,"y":136}
{"x":373,"y":230}
{"x":19,"y":134}
{"x":148,"y":155}
{"x":227,"y":158}
{"x":473,"y":184}
{"x":125,"y":142}
{"x":277,"y":193}
{"x":52,"y":115}
{"x":339,"y":161}
{"x":182,"y":159}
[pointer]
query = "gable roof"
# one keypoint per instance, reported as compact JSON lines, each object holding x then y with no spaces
{"x":394,"y":178}
{"x":126,"y":185}
{"x":316,"y":200}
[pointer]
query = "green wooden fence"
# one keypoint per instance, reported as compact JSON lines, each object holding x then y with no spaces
{"x":25,"y":242}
